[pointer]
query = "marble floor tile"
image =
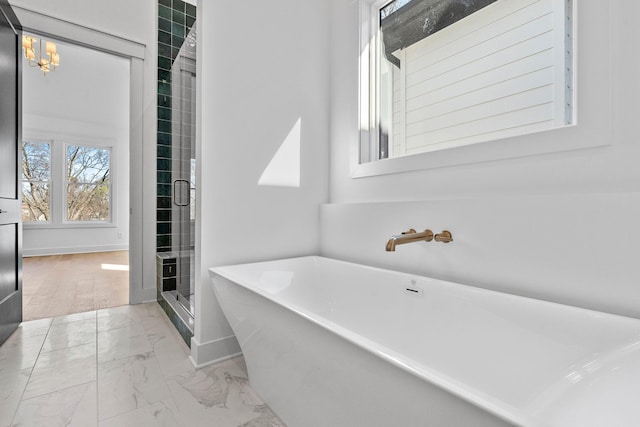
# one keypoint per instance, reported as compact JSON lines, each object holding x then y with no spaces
{"x":74,"y":406}
{"x":115,"y":318}
{"x":33,"y":328}
{"x":265,"y":418}
{"x":159,"y":414}
{"x":172,"y":354}
{"x":19,"y":352}
{"x":75,"y":317}
{"x":60,"y":369}
{"x":12,"y":385}
{"x":66,"y":357}
{"x":220,"y":392}
{"x":166,"y":342}
{"x":151,"y":316}
{"x":130,"y":383}
{"x":70,"y":334}
{"x":123,"y":366}
{"x":123,"y":342}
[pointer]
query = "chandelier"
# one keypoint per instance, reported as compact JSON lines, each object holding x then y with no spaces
{"x":45,"y":63}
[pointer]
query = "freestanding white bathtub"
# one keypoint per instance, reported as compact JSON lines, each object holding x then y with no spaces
{"x":330,"y":343}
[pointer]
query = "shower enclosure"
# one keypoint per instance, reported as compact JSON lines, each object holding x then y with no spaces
{"x":177,"y":177}
{"x":183,"y":174}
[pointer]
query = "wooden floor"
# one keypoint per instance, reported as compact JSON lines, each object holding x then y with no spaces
{"x":57,"y":285}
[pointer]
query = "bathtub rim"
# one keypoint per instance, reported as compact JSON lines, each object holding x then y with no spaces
{"x":436,"y":378}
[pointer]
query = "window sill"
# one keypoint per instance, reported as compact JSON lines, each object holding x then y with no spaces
{"x":566,"y":138}
{"x":47,"y":226}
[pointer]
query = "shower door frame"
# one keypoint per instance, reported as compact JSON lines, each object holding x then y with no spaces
{"x":182,"y":225}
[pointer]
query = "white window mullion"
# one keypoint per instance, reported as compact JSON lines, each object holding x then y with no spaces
{"x":58,"y":199}
{"x":402,"y":143}
{"x":34,"y":158}
{"x":567,"y":17}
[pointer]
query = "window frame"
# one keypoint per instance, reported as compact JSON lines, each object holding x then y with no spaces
{"x":592,"y":67}
{"x":48,"y":142}
{"x":65,"y":210}
{"x":58,"y":190}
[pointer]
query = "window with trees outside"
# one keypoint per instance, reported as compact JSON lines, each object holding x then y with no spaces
{"x":65,"y":183}
{"x":36,"y":181}
{"x":88,"y":183}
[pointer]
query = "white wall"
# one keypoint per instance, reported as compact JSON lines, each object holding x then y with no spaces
{"x":474,"y":199}
{"x":262,"y":66}
{"x":129,"y":19}
{"x":85,"y":101}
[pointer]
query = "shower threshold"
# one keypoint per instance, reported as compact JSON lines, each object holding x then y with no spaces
{"x":178,"y":314}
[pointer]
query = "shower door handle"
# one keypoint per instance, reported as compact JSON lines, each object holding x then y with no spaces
{"x":181,"y":192}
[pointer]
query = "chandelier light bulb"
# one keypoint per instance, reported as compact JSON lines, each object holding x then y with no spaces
{"x":50,"y":47}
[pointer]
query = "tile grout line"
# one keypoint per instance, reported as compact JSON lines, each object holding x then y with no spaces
{"x":56,"y":391}
{"x":147,"y":333}
{"x":165,"y":378}
{"x":172,"y":407}
{"x":152,"y":351}
{"x":137,"y":408}
{"x":15,"y":411}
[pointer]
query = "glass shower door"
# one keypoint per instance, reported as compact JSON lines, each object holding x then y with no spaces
{"x":183,"y":76}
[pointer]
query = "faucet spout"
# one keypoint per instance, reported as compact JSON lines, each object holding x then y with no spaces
{"x":409,"y":236}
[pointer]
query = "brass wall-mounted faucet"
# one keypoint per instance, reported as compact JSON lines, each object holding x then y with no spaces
{"x":444,"y":237}
{"x":409,"y":237}
{"x":413,"y":236}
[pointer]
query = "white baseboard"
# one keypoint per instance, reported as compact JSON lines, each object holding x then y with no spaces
{"x":73,"y":250}
{"x":149,"y":295}
{"x":203,"y":354}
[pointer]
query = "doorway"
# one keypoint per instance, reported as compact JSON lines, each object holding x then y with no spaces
{"x":75,"y":176}
{"x":141,"y":158}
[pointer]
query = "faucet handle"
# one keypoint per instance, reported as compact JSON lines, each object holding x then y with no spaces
{"x":409,"y":231}
{"x":444,"y":237}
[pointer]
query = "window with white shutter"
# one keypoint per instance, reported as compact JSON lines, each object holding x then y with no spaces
{"x":448,"y":73}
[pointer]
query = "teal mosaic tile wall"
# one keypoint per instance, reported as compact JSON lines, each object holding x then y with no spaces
{"x":175,"y":20}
